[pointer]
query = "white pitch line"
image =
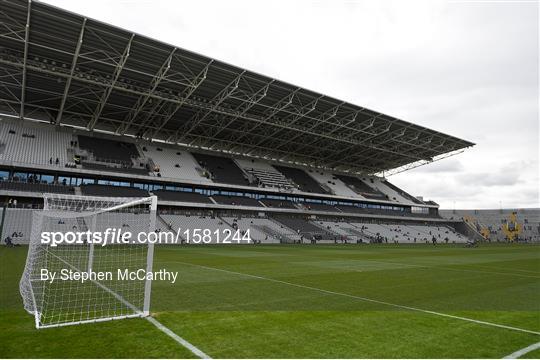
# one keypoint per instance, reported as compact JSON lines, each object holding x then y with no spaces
{"x":366,"y":299}
{"x":178,"y":339}
{"x":434,"y":266}
{"x":521,"y":352}
{"x":160,"y":326}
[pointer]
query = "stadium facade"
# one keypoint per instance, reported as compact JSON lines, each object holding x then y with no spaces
{"x":91,"y":109}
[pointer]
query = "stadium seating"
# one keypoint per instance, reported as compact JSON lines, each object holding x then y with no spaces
{"x":17,"y":225}
{"x":347,"y":232}
{"x":222,"y":170}
{"x":492,"y":221}
{"x":265,"y":174}
{"x":174,"y":163}
{"x":33,"y":143}
{"x":305,"y":182}
{"x":264,"y":230}
{"x":389,"y":233}
{"x":304,"y":227}
{"x":273,"y":179}
{"x":186,"y":222}
{"x":260,"y":228}
{"x":107,"y":150}
{"x":125,"y":157}
{"x":409,"y":233}
{"x":362,"y":188}
{"x":441,"y":233}
{"x":279,"y":231}
{"x":333,"y":183}
{"x":382,"y":185}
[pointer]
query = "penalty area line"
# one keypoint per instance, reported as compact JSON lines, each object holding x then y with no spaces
{"x":521,"y":352}
{"x":196,"y":351}
{"x":405,"y":307}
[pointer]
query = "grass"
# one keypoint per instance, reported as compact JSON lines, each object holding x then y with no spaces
{"x":307,"y":301}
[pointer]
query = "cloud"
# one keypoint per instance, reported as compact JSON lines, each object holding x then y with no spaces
{"x":475,"y":188}
{"x":489,"y":179}
{"x":442,"y":166}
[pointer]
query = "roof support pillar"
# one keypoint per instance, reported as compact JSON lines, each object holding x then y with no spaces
{"x":216,"y":101}
{"x":242,"y":110}
{"x":142,"y":100}
{"x":108,"y":91}
{"x":184,"y":97}
{"x":26,"y":43}
{"x":71,"y":72}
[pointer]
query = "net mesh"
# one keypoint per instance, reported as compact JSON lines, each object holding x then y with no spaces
{"x":105,"y":296}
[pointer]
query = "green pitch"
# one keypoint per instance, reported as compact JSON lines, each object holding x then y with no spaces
{"x":308,"y":301}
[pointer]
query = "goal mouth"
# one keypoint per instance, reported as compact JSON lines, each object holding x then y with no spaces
{"x":81,"y":282}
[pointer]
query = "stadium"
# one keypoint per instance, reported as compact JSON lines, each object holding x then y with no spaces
{"x":287,"y":235}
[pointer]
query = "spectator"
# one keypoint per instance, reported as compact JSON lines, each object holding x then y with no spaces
{"x":10,"y":243}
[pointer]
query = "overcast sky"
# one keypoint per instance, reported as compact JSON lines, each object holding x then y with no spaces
{"x":466,"y":68}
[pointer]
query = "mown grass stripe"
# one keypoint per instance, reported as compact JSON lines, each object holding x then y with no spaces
{"x":196,"y":351}
{"x":481,"y":322}
{"x":521,"y":352}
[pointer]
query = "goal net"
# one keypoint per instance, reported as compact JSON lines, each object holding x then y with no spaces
{"x":87,"y":286}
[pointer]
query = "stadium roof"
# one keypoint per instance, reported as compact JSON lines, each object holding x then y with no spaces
{"x":77,"y":71}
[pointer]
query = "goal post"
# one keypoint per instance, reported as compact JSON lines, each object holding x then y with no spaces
{"x":80,"y":281}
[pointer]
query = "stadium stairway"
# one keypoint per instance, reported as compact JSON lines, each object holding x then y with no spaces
{"x":162,"y":224}
{"x":361,"y":235}
{"x":258,"y":228}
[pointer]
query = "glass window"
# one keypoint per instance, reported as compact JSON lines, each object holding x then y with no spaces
{"x":20,"y":176}
{"x":48,"y":179}
{"x":419,"y":210}
{"x":64,"y":180}
{"x":4,"y":175}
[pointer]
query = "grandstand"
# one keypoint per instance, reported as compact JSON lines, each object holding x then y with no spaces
{"x":490,"y":224}
{"x":229,"y":141}
{"x":186,"y":179}
{"x":224,"y":148}
{"x":226,"y":139}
